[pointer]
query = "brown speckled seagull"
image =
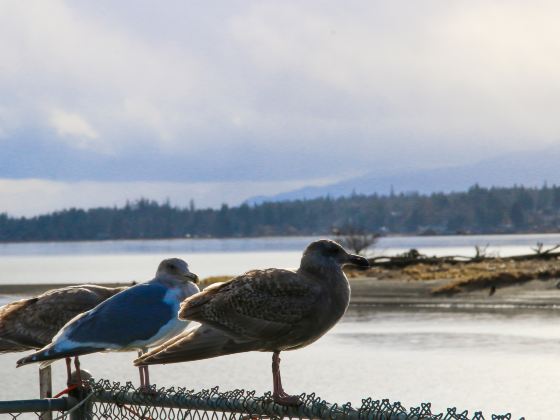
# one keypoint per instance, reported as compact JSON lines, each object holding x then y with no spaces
{"x":30,"y":324}
{"x":265,"y":310}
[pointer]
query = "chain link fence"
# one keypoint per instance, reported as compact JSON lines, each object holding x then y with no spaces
{"x":109,"y":400}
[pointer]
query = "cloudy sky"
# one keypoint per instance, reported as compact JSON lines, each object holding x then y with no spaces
{"x":103,"y":101}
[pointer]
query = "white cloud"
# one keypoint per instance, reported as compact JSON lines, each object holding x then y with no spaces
{"x":305,"y":86}
{"x":142,"y":110}
{"x":443,"y":71}
{"x":74,"y":129}
{"x":55,"y":57}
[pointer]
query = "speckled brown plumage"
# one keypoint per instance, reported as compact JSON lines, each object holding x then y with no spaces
{"x":30,"y":324}
{"x":264,"y":310}
{"x":260,"y":303}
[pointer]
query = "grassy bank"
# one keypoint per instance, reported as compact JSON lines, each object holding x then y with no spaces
{"x":458,"y":278}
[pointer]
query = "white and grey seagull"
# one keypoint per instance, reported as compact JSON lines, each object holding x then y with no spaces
{"x":265,"y":310}
{"x":137,"y":318}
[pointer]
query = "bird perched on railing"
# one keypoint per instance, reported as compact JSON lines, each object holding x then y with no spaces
{"x":30,"y":324}
{"x":137,"y":318}
{"x":265,"y":310}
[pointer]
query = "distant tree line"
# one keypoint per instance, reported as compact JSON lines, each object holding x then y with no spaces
{"x":478,"y":210}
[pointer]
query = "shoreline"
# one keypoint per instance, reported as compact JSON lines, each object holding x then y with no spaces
{"x":394,"y":294}
{"x":534,"y":294}
{"x":314,"y":235}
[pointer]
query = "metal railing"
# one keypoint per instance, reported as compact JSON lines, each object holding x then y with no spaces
{"x":109,"y":400}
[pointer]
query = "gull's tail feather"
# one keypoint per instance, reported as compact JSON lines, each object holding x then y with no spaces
{"x":203,"y":342}
{"x":49,"y":353}
{"x":7,"y":346}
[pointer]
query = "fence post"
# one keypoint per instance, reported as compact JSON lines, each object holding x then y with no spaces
{"x":84,"y":412}
{"x":45,"y":389}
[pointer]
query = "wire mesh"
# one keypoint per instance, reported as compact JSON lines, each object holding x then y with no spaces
{"x":104,"y":399}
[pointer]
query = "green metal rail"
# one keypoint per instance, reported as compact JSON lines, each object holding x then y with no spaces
{"x":38,"y":405}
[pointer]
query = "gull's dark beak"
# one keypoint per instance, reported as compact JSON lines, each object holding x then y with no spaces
{"x":191,"y":276}
{"x":358,"y":261}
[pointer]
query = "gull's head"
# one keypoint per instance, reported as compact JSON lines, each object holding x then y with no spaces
{"x":176,"y":268}
{"x":329,"y":254}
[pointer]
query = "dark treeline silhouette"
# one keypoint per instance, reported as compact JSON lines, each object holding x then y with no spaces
{"x":478,"y":210}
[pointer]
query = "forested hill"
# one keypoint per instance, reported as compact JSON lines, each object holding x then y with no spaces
{"x":478,"y":210}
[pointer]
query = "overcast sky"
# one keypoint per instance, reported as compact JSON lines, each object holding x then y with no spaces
{"x":101,"y":101}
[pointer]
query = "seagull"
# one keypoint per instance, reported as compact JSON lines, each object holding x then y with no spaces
{"x":137,"y":318}
{"x":30,"y":324}
{"x":265,"y":310}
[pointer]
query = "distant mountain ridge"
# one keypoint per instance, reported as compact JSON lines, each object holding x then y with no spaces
{"x":527,"y":168}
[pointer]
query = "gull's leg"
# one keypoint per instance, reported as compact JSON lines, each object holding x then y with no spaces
{"x":69,"y":371}
{"x":146,"y":376}
{"x":279,"y":395}
{"x":141,"y":371}
{"x":78,"y":372}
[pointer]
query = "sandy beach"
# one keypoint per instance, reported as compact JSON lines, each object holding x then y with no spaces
{"x":375,"y":292}
{"x":533,"y":294}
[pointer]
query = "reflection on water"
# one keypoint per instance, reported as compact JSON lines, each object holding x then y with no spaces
{"x":109,"y":268}
{"x":476,"y":361}
{"x":426,"y":244}
{"x":448,"y":341}
{"x":124,"y":261}
{"x":504,"y":331}
{"x":156,"y":246}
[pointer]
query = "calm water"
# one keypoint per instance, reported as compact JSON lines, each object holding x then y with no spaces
{"x":122,"y":261}
{"x":495,"y":362}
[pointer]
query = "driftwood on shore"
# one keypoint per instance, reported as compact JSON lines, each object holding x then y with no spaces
{"x":463,"y":273}
{"x":414,"y":257}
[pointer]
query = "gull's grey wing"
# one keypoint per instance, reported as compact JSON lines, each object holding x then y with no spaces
{"x":260,"y":304}
{"x":125,"y":318}
{"x":32,"y":323}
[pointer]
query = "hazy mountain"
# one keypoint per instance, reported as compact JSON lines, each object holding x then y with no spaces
{"x":527,"y":168}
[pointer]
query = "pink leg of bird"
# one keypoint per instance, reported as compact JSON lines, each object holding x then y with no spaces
{"x":144,"y":377}
{"x":141,"y":371}
{"x":279,"y":395}
{"x":68,"y":371}
{"x":78,"y":371}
